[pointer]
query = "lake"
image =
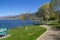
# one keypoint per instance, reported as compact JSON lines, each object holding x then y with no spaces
{"x":14,"y":23}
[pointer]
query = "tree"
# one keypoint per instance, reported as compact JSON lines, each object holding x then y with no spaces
{"x":22,"y":17}
{"x":46,"y":12}
{"x":55,"y":6}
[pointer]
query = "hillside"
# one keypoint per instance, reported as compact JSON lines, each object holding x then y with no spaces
{"x":16,"y":17}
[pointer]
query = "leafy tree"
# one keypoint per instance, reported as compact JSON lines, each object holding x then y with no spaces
{"x":46,"y":12}
{"x":55,"y":6}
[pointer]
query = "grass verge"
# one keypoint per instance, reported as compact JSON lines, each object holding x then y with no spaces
{"x":31,"y":33}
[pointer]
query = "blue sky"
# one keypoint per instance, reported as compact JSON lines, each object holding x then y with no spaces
{"x":16,"y":7}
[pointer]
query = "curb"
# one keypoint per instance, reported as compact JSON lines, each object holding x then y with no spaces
{"x":42,"y":34}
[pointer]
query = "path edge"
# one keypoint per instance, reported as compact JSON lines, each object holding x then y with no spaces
{"x":42,"y":34}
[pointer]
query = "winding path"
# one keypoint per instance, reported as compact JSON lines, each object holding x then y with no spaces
{"x":49,"y":34}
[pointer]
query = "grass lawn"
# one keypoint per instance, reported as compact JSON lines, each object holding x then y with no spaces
{"x":56,"y":25}
{"x":31,"y":33}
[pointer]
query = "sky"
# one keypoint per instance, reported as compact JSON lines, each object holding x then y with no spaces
{"x":16,"y":7}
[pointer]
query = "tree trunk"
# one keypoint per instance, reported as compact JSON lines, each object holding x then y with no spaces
{"x":23,"y":24}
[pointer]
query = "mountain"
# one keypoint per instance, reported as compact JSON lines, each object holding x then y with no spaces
{"x":16,"y":17}
{"x":9,"y":17}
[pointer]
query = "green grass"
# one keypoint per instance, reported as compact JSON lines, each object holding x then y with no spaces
{"x":31,"y":33}
{"x":55,"y":25}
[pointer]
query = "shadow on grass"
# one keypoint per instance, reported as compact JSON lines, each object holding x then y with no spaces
{"x":55,"y":27}
{"x":56,"y":37}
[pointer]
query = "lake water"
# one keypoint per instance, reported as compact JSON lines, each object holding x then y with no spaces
{"x":14,"y":23}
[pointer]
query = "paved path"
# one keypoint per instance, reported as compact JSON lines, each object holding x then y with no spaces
{"x":50,"y":34}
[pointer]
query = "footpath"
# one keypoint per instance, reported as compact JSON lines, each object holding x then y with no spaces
{"x":49,"y":34}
